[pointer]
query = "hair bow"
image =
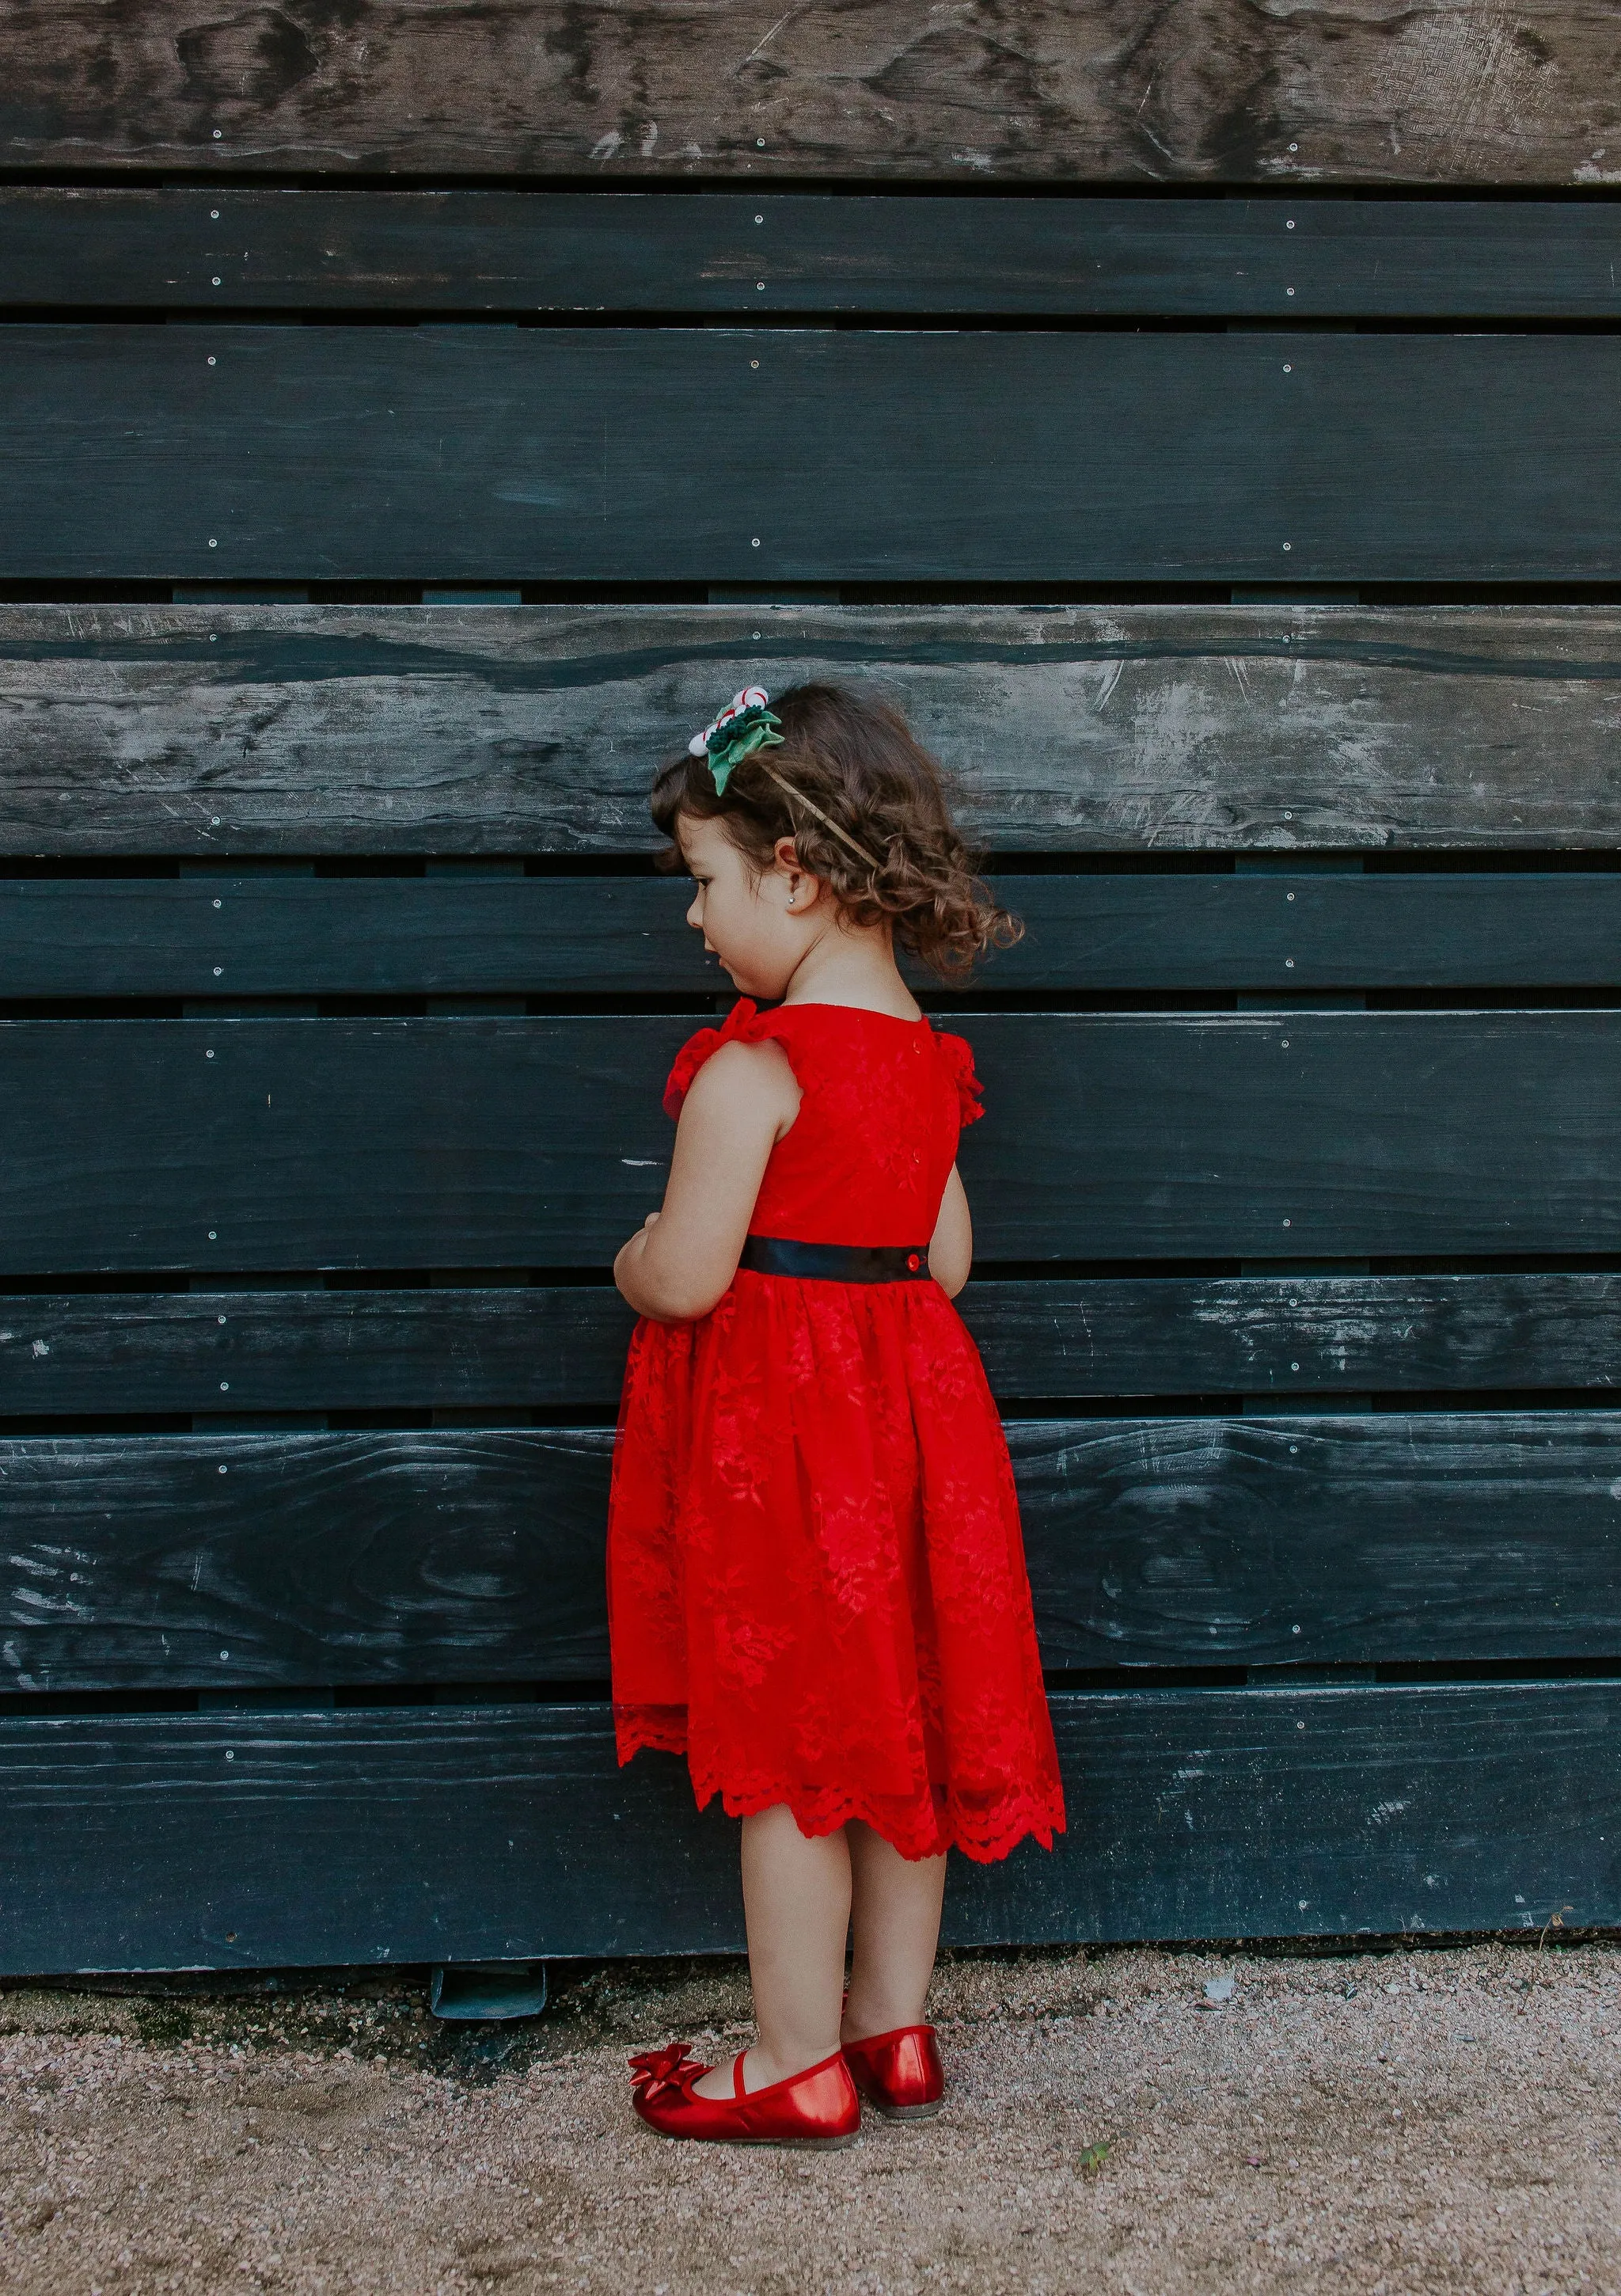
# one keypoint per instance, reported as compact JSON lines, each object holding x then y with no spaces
{"x":743,"y":727}
{"x":671,"y":2070}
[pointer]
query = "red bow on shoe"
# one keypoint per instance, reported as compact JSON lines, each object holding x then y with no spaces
{"x":664,"y":2072}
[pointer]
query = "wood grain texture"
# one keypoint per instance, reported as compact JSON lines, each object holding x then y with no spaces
{"x":410,"y":1835}
{"x":1369,"y":1539}
{"x":561,"y":1347}
{"x":756,"y":254}
{"x":1338,"y":1811}
{"x":455,"y":453}
{"x":547,"y":1346}
{"x":264,"y":1561}
{"x":245,"y":1144}
{"x":1282,"y":1335}
{"x":475,"y":1555}
{"x":1059,"y":89}
{"x":334,"y":729}
{"x":271,"y":934}
{"x":445,"y":1833}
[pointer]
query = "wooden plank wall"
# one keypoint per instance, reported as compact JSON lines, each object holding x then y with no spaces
{"x":1063,"y":91}
{"x":409,"y":428}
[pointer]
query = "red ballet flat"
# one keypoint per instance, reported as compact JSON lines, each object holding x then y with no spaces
{"x":817,"y":2108}
{"x":899,"y":2073}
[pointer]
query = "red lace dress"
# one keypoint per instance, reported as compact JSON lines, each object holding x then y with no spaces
{"x":816,"y":1579}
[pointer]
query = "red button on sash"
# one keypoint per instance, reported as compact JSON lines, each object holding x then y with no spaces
{"x":913,"y":1260}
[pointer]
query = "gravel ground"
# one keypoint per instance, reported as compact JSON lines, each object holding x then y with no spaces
{"x":1443,"y":2118}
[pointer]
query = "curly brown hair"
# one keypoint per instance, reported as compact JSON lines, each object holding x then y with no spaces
{"x":858,"y":760}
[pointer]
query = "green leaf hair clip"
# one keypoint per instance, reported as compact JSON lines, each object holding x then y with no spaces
{"x":745,"y":726}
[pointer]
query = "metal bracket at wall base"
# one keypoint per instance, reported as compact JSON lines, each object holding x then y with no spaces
{"x":486,"y":1991}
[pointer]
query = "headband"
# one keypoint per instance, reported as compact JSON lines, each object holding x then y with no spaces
{"x":745,"y":727}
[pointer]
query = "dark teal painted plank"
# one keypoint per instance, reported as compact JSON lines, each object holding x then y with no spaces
{"x":508,"y":1347}
{"x":1281,"y":1335}
{"x":1372,"y":1539}
{"x":143,"y":1563}
{"x":761,"y":254}
{"x":451,"y":452}
{"x":273,"y":934}
{"x":429,"y":1833}
{"x":1302,"y":1134}
{"x":270,"y":1561}
{"x":240,"y":1145}
{"x":561,"y":1347}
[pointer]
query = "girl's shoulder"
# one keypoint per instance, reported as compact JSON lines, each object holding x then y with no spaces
{"x":744,"y":1024}
{"x":958,"y":1055}
{"x":799,"y":1027}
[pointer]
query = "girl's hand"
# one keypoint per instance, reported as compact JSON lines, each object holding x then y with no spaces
{"x":631,"y":1252}
{"x":680,"y":1260}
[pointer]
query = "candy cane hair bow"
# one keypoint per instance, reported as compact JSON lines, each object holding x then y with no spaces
{"x":744,"y":727}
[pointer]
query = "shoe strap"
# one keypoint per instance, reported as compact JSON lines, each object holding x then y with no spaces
{"x":738,"y":2089}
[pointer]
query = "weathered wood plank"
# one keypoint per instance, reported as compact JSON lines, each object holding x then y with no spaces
{"x":439,"y":453}
{"x":269,"y":934}
{"x":1056,"y":89}
{"x":337,"y":729}
{"x":422,"y":1835}
{"x":561,"y":1347}
{"x":758,"y":254}
{"x":1369,"y":1539}
{"x":408,"y":1834}
{"x":516,"y":1347}
{"x":1291,"y":1334}
{"x":276,"y":1561}
{"x":240,"y":1145}
{"x":1274,"y":1814}
{"x":267,"y":1562}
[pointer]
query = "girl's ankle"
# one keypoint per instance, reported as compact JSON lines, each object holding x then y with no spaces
{"x":763,"y":2069}
{"x":857,"y":2028}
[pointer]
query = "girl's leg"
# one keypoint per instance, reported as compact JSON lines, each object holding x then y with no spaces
{"x":896,"y":1925}
{"x":797,"y":1899}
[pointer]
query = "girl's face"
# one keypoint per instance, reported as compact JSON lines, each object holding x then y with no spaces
{"x":759,"y":926}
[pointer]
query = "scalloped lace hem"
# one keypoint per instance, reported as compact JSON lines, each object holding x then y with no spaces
{"x":985,"y":1838}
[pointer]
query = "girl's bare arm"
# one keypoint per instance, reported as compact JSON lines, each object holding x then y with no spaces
{"x":678,"y":1265}
{"x":951,"y":1248}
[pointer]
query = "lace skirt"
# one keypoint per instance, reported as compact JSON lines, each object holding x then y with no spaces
{"x":816,"y":1581}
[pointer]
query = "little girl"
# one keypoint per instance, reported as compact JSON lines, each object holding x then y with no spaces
{"x":817,"y":1580}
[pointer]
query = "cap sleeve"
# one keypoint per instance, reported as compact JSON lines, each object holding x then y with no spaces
{"x":958,"y":1055}
{"x":738,"y":1027}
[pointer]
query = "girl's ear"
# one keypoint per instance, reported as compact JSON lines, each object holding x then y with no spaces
{"x":803,"y":890}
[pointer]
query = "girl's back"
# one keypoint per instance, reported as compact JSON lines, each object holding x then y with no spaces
{"x":882,"y":1101}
